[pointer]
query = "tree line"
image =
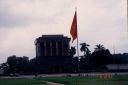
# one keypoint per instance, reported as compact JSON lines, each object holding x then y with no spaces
{"x":89,"y":61}
{"x":99,"y":58}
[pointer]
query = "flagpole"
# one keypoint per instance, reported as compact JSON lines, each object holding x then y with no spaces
{"x":74,"y":34}
{"x":77,"y":44}
{"x":127,"y":17}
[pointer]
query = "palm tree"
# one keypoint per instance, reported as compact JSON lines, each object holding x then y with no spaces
{"x":84,"y":48}
{"x":99,"y":47}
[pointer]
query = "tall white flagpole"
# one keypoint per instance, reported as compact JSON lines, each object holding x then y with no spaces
{"x":127,"y":16}
{"x":77,"y":43}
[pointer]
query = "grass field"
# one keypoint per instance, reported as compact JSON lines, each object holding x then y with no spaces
{"x":68,"y":80}
{"x":95,"y":80}
{"x":21,"y":82}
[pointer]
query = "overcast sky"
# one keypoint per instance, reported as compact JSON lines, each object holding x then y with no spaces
{"x":99,"y":22}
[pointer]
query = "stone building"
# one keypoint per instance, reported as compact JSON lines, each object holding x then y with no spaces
{"x":52,"y":54}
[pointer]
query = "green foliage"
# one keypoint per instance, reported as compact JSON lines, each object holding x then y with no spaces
{"x":18,"y":64}
{"x":5,"y":67}
{"x":89,"y":80}
{"x":84,"y":48}
{"x":69,"y":80}
{"x":72,"y":51}
{"x":101,"y":57}
{"x":21,"y":82}
{"x":120,"y":58}
{"x":99,"y":47}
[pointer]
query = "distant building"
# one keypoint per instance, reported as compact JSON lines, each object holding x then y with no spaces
{"x":52,"y":54}
{"x":117,"y":67}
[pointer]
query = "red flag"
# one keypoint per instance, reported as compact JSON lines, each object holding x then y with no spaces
{"x":73,"y":30}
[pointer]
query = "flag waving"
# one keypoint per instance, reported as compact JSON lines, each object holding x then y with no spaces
{"x":73,"y":30}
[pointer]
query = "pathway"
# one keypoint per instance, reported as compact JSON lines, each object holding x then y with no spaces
{"x":52,"y":83}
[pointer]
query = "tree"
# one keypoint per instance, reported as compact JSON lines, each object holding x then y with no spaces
{"x":120,"y":58}
{"x":12,"y":62}
{"x":72,"y":51}
{"x":35,"y":65}
{"x":84,"y":48}
{"x":5,"y":67}
{"x":101,"y":55}
{"x":18,"y":64}
{"x":99,"y":47}
{"x":84,"y":60}
{"x":23,"y":64}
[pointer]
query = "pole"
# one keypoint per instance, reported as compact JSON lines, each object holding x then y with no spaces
{"x":77,"y":46}
{"x":127,"y":16}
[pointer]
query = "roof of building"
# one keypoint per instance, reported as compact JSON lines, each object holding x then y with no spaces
{"x":58,"y":37}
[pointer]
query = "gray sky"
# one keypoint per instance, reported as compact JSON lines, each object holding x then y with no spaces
{"x":99,"y":22}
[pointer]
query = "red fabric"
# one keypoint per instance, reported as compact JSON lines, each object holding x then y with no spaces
{"x":73,"y":30}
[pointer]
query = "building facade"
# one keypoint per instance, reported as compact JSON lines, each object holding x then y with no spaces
{"x":52,"y":45}
{"x":52,"y":54}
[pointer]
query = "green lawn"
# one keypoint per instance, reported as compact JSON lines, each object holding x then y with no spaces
{"x":21,"y":82}
{"x":116,"y":80}
{"x":79,"y":80}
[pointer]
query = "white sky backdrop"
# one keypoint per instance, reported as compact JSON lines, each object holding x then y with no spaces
{"x":99,"y":22}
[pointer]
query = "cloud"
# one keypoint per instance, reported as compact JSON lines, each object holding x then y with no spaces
{"x":103,"y":22}
{"x":23,"y":12}
{"x":99,"y":22}
{"x":8,"y":18}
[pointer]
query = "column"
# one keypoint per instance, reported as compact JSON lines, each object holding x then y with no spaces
{"x":50,"y":48}
{"x":45,"y":54}
{"x":37,"y":49}
{"x":68,"y":48}
{"x":62,"y":44}
{"x":56,"y":48}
